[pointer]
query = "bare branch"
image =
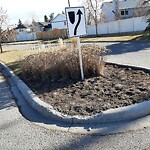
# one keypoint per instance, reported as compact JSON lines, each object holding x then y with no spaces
{"x":93,"y":11}
{"x":3,"y":22}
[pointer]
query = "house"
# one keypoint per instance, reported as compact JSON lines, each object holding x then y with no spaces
{"x":24,"y":33}
{"x":107,"y":13}
{"x":30,"y":32}
{"x":20,"y":27}
{"x":59,"y":22}
{"x":56,"y":27}
{"x":42,"y":26}
{"x":123,"y":9}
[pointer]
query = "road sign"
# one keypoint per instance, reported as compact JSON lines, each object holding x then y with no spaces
{"x":76,"y":21}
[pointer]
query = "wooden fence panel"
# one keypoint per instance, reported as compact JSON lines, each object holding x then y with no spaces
{"x":54,"y":34}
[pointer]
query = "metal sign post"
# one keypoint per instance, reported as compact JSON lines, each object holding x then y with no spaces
{"x":77,"y":27}
{"x":80,"y":58}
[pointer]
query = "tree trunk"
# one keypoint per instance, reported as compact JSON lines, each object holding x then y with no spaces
{"x":1,"y":40}
{"x":1,"y":47}
{"x":96,"y":25}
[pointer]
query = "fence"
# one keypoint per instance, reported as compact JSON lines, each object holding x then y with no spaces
{"x":119,"y":26}
{"x":47,"y":47}
{"x":56,"y":33}
{"x":36,"y":46}
{"x":24,"y":36}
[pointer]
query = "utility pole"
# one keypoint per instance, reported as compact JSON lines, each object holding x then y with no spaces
{"x":69,"y":3}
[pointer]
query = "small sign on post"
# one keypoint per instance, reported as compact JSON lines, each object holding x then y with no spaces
{"x":76,"y":28}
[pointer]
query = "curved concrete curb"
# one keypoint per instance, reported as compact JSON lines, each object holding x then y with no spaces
{"x":112,"y":115}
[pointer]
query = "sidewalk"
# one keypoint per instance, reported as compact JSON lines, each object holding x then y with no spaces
{"x":6,"y":97}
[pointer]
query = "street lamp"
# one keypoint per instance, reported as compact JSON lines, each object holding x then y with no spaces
{"x":69,"y":3}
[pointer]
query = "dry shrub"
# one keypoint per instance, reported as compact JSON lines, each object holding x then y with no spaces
{"x":93,"y":59}
{"x":60,"y":42}
{"x":74,"y":42}
{"x":63,"y":64}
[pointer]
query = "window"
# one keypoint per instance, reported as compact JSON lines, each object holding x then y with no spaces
{"x":124,"y":13}
{"x":20,"y":30}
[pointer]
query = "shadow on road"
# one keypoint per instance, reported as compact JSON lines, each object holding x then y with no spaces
{"x":127,"y":47}
{"x":6,"y":98}
{"x":7,"y":103}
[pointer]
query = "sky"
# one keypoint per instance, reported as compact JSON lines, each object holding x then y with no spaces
{"x":27,"y":9}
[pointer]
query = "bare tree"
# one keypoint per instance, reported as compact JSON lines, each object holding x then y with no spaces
{"x":116,"y":9}
{"x":93,"y":12}
{"x":142,"y":8}
{"x":3,"y":22}
{"x":13,"y":34}
{"x":32,"y":16}
{"x":32,"y":22}
{"x":147,"y":3}
{"x":34,"y":28}
{"x":104,"y":18}
{"x":10,"y":35}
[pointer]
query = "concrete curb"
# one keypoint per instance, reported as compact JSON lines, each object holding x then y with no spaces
{"x":112,"y":115}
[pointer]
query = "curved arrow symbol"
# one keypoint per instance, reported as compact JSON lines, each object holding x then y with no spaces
{"x":79,"y":13}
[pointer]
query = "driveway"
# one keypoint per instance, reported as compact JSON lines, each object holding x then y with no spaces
{"x":130,"y":53}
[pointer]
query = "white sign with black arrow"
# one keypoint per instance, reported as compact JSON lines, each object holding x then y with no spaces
{"x":76,"y":21}
{"x":77,"y":27}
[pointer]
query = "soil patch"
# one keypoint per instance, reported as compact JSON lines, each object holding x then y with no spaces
{"x":121,"y":86}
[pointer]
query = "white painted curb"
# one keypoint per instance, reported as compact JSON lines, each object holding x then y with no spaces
{"x":112,"y":115}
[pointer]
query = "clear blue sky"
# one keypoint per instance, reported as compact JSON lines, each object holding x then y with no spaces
{"x":27,"y":9}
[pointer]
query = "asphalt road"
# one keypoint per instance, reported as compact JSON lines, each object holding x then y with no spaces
{"x":18,"y":133}
{"x":130,"y":53}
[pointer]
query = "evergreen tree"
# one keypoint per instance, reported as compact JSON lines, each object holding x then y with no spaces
{"x":51,"y":16}
{"x":19,"y":22}
{"x":46,"y":19}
